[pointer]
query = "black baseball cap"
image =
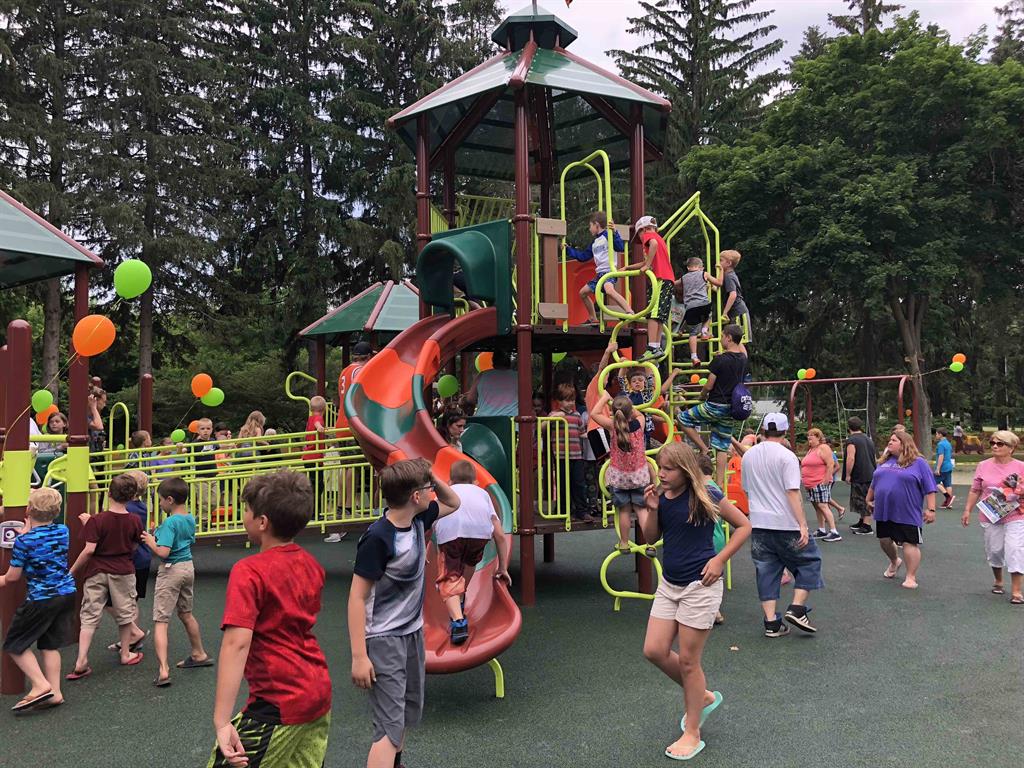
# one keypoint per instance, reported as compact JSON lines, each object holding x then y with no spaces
{"x":363,"y":349}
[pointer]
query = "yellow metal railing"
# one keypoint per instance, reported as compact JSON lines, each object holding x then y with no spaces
{"x":330,"y":415}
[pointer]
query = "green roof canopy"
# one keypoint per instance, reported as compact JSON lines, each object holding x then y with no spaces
{"x":383,"y":308}
{"x":578,"y":106}
{"x":32,"y":249}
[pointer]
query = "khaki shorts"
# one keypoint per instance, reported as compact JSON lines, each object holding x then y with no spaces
{"x":693,"y":605}
{"x":173,"y":594}
{"x":121,"y":590}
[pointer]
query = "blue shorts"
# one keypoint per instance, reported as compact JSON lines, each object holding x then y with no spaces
{"x":621,"y":498}
{"x":592,"y":284}
{"x":717,"y":417}
{"x":945,"y":479}
{"x":773,"y":551}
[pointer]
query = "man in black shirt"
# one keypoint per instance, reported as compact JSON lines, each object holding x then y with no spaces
{"x":727,"y":370}
{"x":858,"y":469}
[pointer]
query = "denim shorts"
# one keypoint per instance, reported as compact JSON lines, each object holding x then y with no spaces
{"x":621,"y":498}
{"x":944,"y":478}
{"x":773,"y":551}
{"x":609,"y":283}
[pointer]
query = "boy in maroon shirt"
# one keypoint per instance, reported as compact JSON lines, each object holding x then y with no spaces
{"x":108,"y":571}
{"x":272,"y":602}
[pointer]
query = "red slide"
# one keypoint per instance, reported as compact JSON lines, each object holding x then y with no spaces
{"x":390,"y":418}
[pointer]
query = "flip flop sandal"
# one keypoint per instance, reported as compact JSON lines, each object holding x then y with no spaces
{"x":51,"y":704}
{"x":162,"y":682}
{"x":998,"y":590}
{"x":1017,"y":600}
{"x":134,"y":647}
{"x":133,"y":661}
{"x":704,"y":712}
{"x":623,"y":550}
{"x":78,"y":674}
{"x":190,"y":663}
{"x":696,"y":751}
{"x":25,"y":704}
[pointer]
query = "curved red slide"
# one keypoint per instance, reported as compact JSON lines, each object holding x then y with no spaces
{"x":390,"y":418}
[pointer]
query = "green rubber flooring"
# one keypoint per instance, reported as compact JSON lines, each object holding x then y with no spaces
{"x":893,"y":678}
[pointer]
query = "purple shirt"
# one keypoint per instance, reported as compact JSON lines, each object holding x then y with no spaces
{"x":900,"y":491}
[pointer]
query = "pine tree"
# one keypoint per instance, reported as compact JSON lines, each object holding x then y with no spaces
{"x":868,"y":15}
{"x":814,"y":44}
{"x":1009,"y":40}
{"x":701,"y":56}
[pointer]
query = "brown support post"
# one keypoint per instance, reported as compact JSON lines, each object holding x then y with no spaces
{"x":450,"y":208}
{"x":638,"y":285}
{"x":321,"y":366}
{"x":16,"y":415}
{"x":346,"y":354}
{"x":549,"y":547}
{"x":422,"y":191}
{"x":547,"y":380}
{"x":524,"y":352}
{"x":78,"y":418}
{"x":146,"y":403}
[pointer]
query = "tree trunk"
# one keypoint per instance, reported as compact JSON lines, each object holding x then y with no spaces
{"x":868,"y":366}
{"x":148,"y":255}
{"x":909,"y":312}
{"x":51,"y":335}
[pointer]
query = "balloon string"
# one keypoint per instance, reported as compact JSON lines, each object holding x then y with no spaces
{"x":182,"y":419}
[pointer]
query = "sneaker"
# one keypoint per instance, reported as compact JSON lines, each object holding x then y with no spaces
{"x":832,"y":536}
{"x":705,"y":333}
{"x":821,"y":533}
{"x":460,"y":632}
{"x":797,"y":616}
{"x":652,"y":353}
{"x":775,"y":628}
{"x":334,"y":538}
{"x":862,"y":530}
{"x":949,"y":503}
{"x":694,"y":360}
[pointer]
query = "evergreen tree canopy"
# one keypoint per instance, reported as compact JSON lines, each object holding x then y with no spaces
{"x":867,"y":16}
{"x":1009,"y":40}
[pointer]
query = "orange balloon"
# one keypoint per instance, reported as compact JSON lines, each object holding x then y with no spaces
{"x":485,"y":361}
{"x":193,"y":426}
{"x":93,"y":335}
{"x":959,"y":357}
{"x":811,"y":373}
{"x":41,"y":418}
{"x":48,"y":412}
{"x":201,"y":384}
{"x":694,"y":379}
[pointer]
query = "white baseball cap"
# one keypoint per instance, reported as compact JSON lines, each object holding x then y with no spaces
{"x":778,"y":422}
{"x":645,"y":221}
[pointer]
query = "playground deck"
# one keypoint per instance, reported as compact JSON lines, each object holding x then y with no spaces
{"x":893,"y":678}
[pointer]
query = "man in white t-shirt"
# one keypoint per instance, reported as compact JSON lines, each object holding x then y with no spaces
{"x":771,"y":480}
{"x":461,"y":539}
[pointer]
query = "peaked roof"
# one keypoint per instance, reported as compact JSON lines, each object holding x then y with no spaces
{"x":387,"y":307}
{"x":575,"y":106}
{"x":32,"y":249}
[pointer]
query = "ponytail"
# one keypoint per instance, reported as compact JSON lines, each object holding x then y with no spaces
{"x":622,"y":410}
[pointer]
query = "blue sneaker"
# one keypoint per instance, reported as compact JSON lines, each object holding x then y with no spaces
{"x":459,"y":631}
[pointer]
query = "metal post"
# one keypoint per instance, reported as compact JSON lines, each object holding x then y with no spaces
{"x":422,"y":191}
{"x":17,"y":477}
{"x":146,"y":403}
{"x":524,"y":343}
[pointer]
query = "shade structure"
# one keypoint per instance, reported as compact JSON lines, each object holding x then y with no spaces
{"x":32,"y":249}
{"x":388,"y":307}
{"x":577,"y":107}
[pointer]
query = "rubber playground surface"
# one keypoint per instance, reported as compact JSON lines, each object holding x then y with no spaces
{"x":893,"y":677}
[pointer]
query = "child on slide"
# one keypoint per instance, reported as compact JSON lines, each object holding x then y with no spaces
{"x":683,"y":512}
{"x":628,"y":471}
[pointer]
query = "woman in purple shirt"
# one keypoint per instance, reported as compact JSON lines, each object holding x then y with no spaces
{"x":901,"y":486}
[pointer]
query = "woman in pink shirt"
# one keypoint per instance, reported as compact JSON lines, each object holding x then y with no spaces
{"x":999,"y":487}
{"x":816,"y":470}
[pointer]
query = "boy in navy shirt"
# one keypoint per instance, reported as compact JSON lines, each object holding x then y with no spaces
{"x":385,"y":604}
{"x":47,"y":617}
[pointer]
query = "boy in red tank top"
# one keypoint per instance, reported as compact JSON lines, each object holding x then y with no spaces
{"x":657,"y":260}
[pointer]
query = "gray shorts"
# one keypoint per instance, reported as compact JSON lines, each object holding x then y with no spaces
{"x":397,"y":696}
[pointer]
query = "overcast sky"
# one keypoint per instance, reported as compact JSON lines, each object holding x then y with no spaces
{"x":601,"y":24}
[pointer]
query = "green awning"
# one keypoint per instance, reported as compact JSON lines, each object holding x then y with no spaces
{"x":382,"y":308}
{"x":32,"y":249}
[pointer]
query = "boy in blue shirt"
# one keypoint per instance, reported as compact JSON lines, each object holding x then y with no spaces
{"x":604,"y":262}
{"x":47,"y":617}
{"x":944,"y":467}
{"x":172,"y":543}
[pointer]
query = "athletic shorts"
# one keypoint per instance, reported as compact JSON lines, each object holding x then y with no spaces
{"x":272,"y":745}
{"x":945,"y":479}
{"x":664,"y":308}
{"x":397,"y":696}
{"x":693,"y":605}
{"x":175,"y":583}
{"x":118,"y":588}
{"x":695,"y":318}
{"x":775,"y":551}
{"x":623,"y":496}
{"x":717,"y":417}
{"x":49,"y":624}
{"x":900,"y":533}
{"x":859,"y":499}
{"x":457,"y":555}
{"x":610,"y":282}
{"x":820,"y":494}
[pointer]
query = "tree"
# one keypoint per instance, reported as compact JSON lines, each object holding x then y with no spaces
{"x":814,"y":44}
{"x":868,"y":15}
{"x":1009,"y":40}
{"x":886,"y":182}
{"x":702,"y":56}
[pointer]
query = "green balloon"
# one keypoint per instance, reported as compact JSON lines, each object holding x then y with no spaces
{"x":213,"y":398}
{"x":954,"y":367}
{"x":132,"y":278}
{"x":447,"y":385}
{"x":178,"y":436}
{"x":703,"y":381}
{"x":41,"y":400}
{"x":558,"y":357}
{"x":801,"y":374}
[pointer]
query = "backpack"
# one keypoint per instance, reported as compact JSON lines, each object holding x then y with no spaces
{"x":742,"y":403}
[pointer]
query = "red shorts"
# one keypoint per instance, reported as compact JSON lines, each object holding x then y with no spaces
{"x":456,"y":555}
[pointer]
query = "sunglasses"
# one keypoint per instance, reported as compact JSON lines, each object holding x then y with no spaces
{"x":427,"y":487}
{"x":997,"y":443}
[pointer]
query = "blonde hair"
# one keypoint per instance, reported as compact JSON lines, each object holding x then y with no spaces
{"x":463,"y":472}
{"x":253,"y":426}
{"x":141,"y":481}
{"x":815,"y":432}
{"x":622,"y":413}
{"x":733,"y":257}
{"x":44,"y":504}
{"x":1006,"y":436}
{"x":204,"y":421}
{"x":703,"y":509}
{"x":317,"y":404}
{"x":908,"y":450}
